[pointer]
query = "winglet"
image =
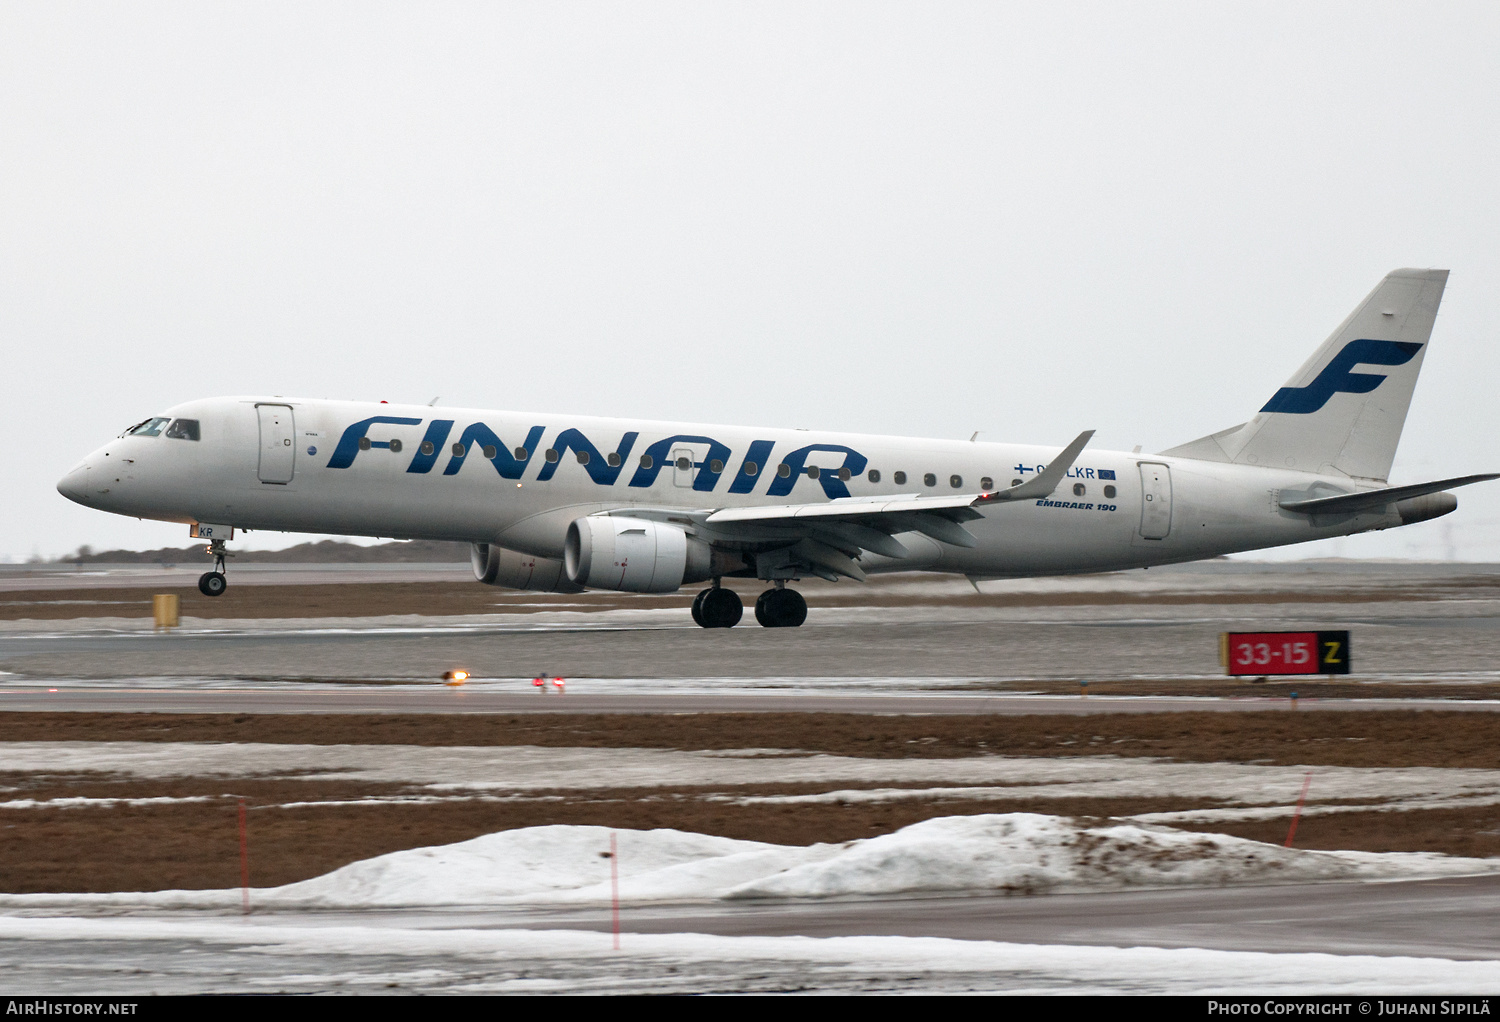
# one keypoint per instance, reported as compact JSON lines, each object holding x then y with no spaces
{"x":1043,"y":483}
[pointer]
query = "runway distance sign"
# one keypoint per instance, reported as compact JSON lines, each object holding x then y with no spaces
{"x":1266,"y":653}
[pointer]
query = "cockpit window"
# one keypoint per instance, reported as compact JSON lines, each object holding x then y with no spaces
{"x":151,"y":427}
{"x":183,"y":429}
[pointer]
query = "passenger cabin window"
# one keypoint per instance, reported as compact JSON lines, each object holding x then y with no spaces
{"x":812,"y":471}
{"x":490,"y":451}
{"x":183,"y":429}
{"x":784,"y":470}
{"x":427,"y":447}
{"x":930,"y":479}
{"x":844,"y":474}
{"x":612,"y":459}
{"x":874,"y":475}
{"x":458,"y":450}
{"x":151,"y":427}
{"x":957,"y":482}
{"x":750,"y":468}
{"x":900,"y":478}
{"x":986,"y":484}
{"x":1109,"y":492}
{"x":395,"y":446}
{"x":583,"y":457}
{"x":1079,"y":489}
{"x":551,"y":455}
{"x":716,"y":466}
{"x":646,"y":461}
{"x":522,"y":454}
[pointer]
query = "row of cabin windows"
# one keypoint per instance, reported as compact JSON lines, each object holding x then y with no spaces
{"x":715,"y":466}
{"x":188,"y":429}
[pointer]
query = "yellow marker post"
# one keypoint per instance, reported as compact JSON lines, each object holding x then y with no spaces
{"x":164,"y":607}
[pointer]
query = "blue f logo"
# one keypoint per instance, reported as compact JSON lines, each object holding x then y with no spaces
{"x":1337,"y":379}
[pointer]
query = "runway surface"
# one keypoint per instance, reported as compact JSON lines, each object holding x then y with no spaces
{"x":439,"y":700}
{"x":1451,"y":918}
{"x":905,"y":652}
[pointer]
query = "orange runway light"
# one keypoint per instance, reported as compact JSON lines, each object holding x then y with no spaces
{"x":455,"y":677}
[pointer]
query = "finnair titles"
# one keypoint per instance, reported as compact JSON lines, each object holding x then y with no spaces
{"x":567,"y":503}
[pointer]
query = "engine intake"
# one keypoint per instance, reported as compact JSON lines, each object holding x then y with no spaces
{"x":497,"y":566}
{"x":634,"y":555}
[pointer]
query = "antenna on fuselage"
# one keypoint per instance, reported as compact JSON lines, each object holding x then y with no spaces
{"x":432,"y":402}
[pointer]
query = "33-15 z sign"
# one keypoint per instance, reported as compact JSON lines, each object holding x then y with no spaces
{"x":1262,"y":653}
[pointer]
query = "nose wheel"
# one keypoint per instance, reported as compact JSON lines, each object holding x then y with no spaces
{"x":213,"y":583}
{"x":781,"y":608}
{"x":717,"y":608}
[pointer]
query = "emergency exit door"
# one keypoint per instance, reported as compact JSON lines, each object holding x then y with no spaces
{"x":277,"y":450}
{"x":683,"y":462}
{"x":1156,"y":501}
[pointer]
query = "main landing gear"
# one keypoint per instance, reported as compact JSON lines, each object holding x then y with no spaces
{"x":781,"y":608}
{"x":776,"y":608}
{"x":213,"y":583}
{"x":718,"y":608}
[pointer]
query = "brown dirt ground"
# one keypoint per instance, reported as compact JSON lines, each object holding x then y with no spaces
{"x":444,"y":598}
{"x":133,"y":848}
{"x":1400,"y":738}
{"x":194,"y":845}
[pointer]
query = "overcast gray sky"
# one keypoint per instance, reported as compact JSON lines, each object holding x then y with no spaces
{"x":919,"y":218}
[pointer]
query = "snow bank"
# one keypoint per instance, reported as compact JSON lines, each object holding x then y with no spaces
{"x":1021,"y":853}
{"x":1027,"y":853}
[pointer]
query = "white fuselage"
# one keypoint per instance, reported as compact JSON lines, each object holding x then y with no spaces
{"x":297,"y":465}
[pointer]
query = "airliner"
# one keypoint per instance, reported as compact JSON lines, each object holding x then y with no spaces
{"x":566,"y":503}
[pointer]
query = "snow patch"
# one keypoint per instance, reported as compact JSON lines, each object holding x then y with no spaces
{"x":1020,"y":853}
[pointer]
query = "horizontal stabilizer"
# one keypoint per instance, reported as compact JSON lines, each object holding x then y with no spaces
{"x":1372,"y":500}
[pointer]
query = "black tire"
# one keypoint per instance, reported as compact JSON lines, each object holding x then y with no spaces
{"x":698,"y":608}
{"x":763,"y":609}
{"x":212,"y":583}
{"x":793,"y":609}
{"x":781,"y":608}
{"x":722,"y":608}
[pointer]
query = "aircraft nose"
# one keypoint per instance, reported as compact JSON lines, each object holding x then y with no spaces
{"x":75,"y":485}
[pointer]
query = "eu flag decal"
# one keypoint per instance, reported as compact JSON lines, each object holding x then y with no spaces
{"x":1106,"y":473}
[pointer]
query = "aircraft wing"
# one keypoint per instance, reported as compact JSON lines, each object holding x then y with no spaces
{"x":827,"y":538}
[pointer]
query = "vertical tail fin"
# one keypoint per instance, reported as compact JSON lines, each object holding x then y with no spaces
{"x":1330,"y":418}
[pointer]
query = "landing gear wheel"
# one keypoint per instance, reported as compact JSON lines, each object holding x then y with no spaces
{"x":212,"y":583}
{"x":721,"y":608}
{"x":698,"y":608}
{"x":781,"y":608}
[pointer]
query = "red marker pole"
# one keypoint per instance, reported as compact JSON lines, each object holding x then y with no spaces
{"x":1306,"y":783}
{"x":244,"y":861}
{"x":614,"y":885}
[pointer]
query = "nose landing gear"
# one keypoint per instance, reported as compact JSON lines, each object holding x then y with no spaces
{"x":717,"y":608}
{"x":213,"y":583}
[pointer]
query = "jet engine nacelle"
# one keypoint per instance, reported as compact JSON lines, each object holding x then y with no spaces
{"x":497,"y":566}
{"x":634,"y":555}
